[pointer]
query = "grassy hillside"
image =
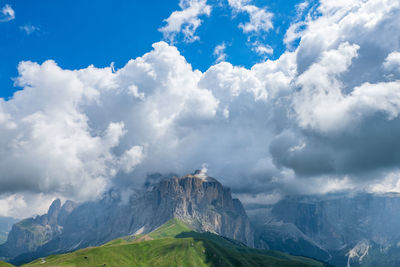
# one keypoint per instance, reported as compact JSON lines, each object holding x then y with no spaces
{"x":174,"y":244}
{"x":5,"y":264}
{"x":171,"y":228}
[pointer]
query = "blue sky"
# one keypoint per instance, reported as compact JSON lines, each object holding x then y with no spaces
{"x":77,"y":34}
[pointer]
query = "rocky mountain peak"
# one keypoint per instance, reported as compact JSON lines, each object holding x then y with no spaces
{"x":53,"y":211}
{"x":202,"y":202}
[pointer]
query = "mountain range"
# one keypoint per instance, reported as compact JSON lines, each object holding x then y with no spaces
{"x":200,"y":202}
{"x":358,"y":230}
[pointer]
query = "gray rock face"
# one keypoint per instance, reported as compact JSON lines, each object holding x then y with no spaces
{"x":5,"y":227}
{"x":201,"y":202}
{"x":274,"y":233}
{"x":29,"y":234}
{"x":343,"y":227}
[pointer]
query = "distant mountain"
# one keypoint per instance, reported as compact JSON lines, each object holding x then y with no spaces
{"x":28,"y":235}
{"x":201,"y":202}
{"x":175,"y":244}
{"x":360,"y":230}
{"x":5,"y":227}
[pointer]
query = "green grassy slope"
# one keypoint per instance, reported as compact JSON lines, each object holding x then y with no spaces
{"x":171,"y":228}
{"x":5,"y":264}
{"x":174,"y":244}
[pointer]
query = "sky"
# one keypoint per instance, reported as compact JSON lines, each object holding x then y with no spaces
{"x":272,"y":98}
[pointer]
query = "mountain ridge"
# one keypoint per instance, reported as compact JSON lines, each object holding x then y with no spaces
{"x":339,"y":229}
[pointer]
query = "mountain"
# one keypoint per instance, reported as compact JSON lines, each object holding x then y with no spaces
{"x":174,"y":244}
{"x":29,"y":234}
{"x":358,"y":230}
{"x":278,"y":235}
{"x":5,"y":226}
{"x":199,"y":201}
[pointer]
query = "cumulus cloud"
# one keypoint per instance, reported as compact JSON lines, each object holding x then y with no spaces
{"x":78,"y":132}
{"x":186,"y":21}
{"x":323,"y":117}
{"x":260,"y":20}
{"x":345,"y":104}
{"x":7,"y":13}
{"x":44,"y":130}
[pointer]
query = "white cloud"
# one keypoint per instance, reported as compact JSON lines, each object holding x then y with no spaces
{"x":131,"y":158}
{"x":345,"y":104}
{"x":389,"y":183}
{"x":392,"y":62}
{"x":293,"y":33}
{"x":260,"y":22}
{"x":51,"y":137}
{"x":7,"y":13}
{"x":298,"y":25}
{"x":186,"y":21}
{"x":219,"y":52}
{"x":321,"y":90}
{"x":333,"y":43}
{"x":262,"y":49}
{"x":260,"y":18}
{"x":21,"y":205}
{"x":228,"y":82}
{"x":203,"y":172}
{"x":29,"y":29}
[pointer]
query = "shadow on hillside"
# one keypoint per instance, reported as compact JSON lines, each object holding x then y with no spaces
{"x":222,"y":251}
{"x":217,"y":250}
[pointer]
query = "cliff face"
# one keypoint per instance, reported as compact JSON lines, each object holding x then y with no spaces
{"x":29,"y":234}
{"x":338,"y":229}
{"x":344,"y":221}
{"x":201,"y":202}
{"x":5,"y":227}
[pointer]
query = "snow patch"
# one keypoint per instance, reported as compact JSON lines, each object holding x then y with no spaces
{"x":140,"y":231}
{"x":358,"y":252}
